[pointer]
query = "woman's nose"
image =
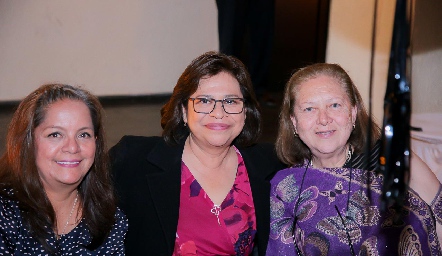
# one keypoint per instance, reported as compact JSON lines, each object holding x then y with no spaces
{"x":324,"y":117}
{"x":218,"y":111}
{"x":71,"y":146}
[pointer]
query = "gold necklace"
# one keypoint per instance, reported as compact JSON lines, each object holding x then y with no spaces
{"x":69,"y":218}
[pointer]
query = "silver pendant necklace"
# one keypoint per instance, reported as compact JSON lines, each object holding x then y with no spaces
{"x":69,"y":218}
{"x":216,"y":209}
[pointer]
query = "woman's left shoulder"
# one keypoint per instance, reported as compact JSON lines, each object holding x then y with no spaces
{"x":121,"y":219}
{"x":261,"y":157}
{"x":259,"y":149}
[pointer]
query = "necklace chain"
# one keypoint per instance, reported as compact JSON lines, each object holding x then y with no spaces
{"x":201,"y":162}
{"x":70,"y":216}
{"x":347,"y":157}
{"x":310,"y":164}
{"x":216,"y":209}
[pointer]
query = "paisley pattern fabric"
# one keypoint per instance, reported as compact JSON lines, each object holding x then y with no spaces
{"x":331,"y":209}
{"x":436,"y":206}
{"x":207,"y":229}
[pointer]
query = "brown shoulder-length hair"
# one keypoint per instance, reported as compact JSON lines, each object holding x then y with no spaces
{"x":18,"y":170}
{"x":205,"y":66}
{"x":290,"y":149}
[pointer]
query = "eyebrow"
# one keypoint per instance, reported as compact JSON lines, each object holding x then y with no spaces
{"x":224,"y":97}
{"x":61,"y":128}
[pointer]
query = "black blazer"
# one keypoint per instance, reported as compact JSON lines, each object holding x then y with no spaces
{"x":147,"y":176}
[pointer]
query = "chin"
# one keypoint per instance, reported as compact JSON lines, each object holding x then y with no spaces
{"x":220,"y":143}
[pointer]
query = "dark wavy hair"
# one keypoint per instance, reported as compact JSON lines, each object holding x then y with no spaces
{"x":290,"y":149}
{"x":18,"y":170}
{"x":205,"y":66}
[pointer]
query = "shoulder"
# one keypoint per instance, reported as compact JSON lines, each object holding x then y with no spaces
{"x":261,"y":156}
{"x":10,"y":217}
{"x":284,"y":173}
{"x":121,"y":222}
{"x":6,"y":199}
{"x":423,"y":180}
{"x":262,"y":152}
{"x":133,"y":147}
{"x":113,"y":244}
{"x":360,"y":160}
{"x":136,"y":143}
{"x":259,"y":148}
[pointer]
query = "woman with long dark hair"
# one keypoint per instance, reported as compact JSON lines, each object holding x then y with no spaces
{"x":56,"y":195}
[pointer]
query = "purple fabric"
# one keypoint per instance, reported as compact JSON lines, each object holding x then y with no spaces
{"x":320,"y":230}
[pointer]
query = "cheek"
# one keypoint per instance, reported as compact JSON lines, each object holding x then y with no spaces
{"x":192,"y":118}
{"x":89,"y":149}
{"x":343,"y":117}
{"x":44,"y":151}
{"x":305,"y":122}
{"x":44,"y":157}
{"x":242,"y":120}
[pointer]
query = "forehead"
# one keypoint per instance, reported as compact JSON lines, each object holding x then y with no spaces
{"x":221,"y":84}
{"x":67,"y":109}
{"x":322,"y":86}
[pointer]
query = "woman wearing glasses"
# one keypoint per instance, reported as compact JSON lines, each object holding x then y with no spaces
{"x":200,"y":189}
{"x":326,"y":203}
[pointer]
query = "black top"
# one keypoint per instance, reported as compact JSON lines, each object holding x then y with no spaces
{"x":360,"y":161}
{"x":147,"y":174}
{"x":15,"y":238}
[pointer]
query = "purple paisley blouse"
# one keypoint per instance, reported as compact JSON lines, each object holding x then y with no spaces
{"x":328,"y":199}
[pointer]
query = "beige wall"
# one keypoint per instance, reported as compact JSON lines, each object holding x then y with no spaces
{"x":147,"y":44}
{"x":349,"y":44}
{"x":104,"y":45}
{"x":427,"y":57}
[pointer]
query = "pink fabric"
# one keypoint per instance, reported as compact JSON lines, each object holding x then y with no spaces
{"x":198,"y":231}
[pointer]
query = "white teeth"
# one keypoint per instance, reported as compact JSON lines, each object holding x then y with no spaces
{"x":68,"y":162}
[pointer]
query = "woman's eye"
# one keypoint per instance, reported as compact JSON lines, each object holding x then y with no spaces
{"x":335,"y":105}
{"x":230,"y":101}
{"x":204,"y":100}
{"x":308,"y":109}
{"x":85,"y":135}
{"x":54,"y":135}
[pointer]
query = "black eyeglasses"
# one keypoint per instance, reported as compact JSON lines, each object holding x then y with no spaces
{"x":207,"y":105}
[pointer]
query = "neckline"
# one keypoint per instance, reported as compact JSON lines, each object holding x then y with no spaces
{"x":348,"y":157}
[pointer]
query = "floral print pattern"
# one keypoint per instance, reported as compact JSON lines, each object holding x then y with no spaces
{"x":231,"y":231}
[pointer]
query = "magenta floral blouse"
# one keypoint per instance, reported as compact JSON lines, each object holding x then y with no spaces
{"x":208,"y":229}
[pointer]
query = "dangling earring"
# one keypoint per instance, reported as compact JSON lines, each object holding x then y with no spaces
{"x":296,"y":132}
{"x":354,"y":126}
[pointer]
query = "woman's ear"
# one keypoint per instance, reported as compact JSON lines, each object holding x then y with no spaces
{"x":294,"y":123}
{"x":184,"y":110}
{"x":354,"y":113}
